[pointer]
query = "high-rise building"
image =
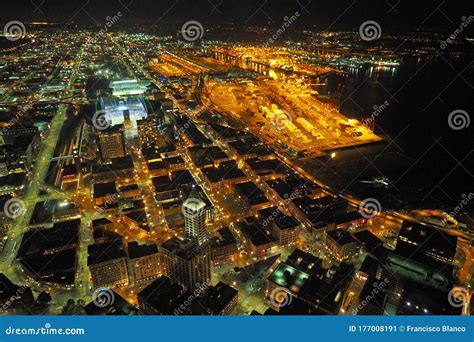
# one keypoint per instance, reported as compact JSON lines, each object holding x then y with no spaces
{"x":195,"y":218}
{"x":144,"y":262}
{"x":187,"y":263}
{"x":111,"y":143}
{"x":108,"y":264}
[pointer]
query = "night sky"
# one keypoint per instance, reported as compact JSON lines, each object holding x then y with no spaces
{"x":393,"y":15}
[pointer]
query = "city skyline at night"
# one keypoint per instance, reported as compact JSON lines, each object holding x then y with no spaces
{"x":236,"y":158}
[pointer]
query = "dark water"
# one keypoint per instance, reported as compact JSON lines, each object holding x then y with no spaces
{"x":427,"y":162}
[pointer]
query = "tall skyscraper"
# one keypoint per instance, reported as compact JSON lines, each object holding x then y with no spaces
{"x":195,"y":217}
{"x":186,"y":263}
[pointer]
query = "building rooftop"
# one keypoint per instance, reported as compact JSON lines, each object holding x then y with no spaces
{"x":304,"y":262}
{"x":162,"y":295}
{"x":206,"y":156}
{"x":102,"y":252}
{"x":286,"y":222}
{"x":151,"y":153}
{"x":426,"y":240}
{"x":321,"y":208}
{"x":249,"y":146}
{"x":104,"y":189}
{"x":129,"y":87}
{"x":215,"y":299}
{"x":256,"y":232}
{"x":138,"y":251}
{"x":114,"y":109}
{"x":156,"y":165}
{"x":251,"y":192}
{"x":341,"y":237}
{"x":181,"y":177}
{"x":227,"y":132}
{"x":226,"y":170}
{"x":12,"y":295}
{"x":184,"y":124}
{"x":370,"y":241}
{"x":289,"y":277}
{"x":185,"y":249}
{"x":118,"y":164}
{"x":50,"y":254}
{"x":269,"y":166}
{"x":224,"y":238}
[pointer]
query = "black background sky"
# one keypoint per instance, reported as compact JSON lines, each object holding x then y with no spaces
{"x":393,"y":15}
